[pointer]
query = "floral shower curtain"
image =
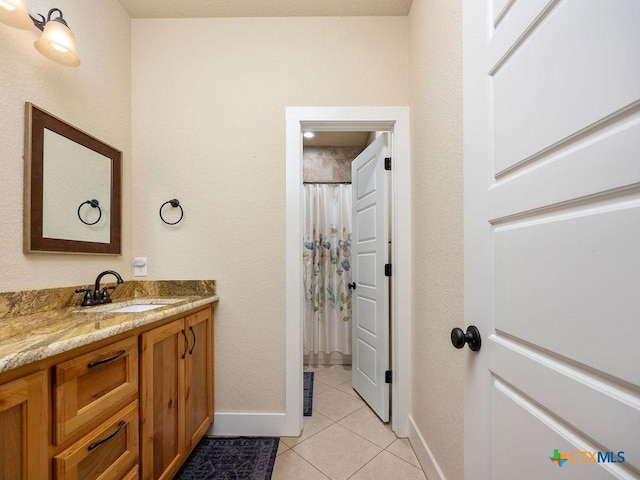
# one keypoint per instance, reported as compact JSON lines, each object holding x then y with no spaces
{"x":327,"y":269}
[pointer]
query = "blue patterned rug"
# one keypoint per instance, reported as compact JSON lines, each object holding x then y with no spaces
{"x":307,"y":402}
{"x":244,"y":458}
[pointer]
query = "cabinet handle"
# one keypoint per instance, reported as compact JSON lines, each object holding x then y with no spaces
{"x":194,"y":340}
{"x":108,"y":437}
{"x":186,"y":343}
{"x":106,"y":360}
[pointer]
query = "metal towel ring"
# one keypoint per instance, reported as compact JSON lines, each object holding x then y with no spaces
{"x":94,"y":204}
{"x":174,"y":203}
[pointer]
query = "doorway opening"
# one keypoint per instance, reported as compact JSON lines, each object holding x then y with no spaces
{"x":345,"y":249}
{"x":350,"y":119}
{"x":328,"y":281}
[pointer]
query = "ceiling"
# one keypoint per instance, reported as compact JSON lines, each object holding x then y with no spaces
{"x":264,"y":8}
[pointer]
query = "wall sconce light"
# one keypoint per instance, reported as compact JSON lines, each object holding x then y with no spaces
{"x":57,"y":42}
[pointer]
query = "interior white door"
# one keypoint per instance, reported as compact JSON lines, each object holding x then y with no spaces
{"x":370,"y":303}
{"x":552,"y":238}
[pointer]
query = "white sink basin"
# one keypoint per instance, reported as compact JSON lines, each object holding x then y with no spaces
{"x":142,"y":307}
{"x":132,"y":306}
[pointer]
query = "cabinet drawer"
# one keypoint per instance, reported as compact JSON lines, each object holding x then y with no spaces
{"x":110,"y":452}
{"x":89,"y":386}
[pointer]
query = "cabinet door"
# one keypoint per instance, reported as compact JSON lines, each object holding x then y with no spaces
{"x":110,"y":452}
{"x":162,"y":396}
{"x":89,"y":386}
{"x":199,"y":376}
{"x":24,"y":428}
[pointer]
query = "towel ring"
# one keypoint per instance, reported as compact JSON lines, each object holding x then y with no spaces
{"x":174,"y":203}
{"x":94,"y":204}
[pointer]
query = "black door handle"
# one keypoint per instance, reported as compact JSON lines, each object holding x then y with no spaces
{"x":194,"y":340}
{"x":352,"y":285}
{"x":472,"y":337}
{"x":106,"y":360}
{"x":108,"y":437}
{"x":186,"y":344}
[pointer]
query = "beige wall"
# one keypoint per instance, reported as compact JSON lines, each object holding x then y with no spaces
{"x":436,"y":160}
{"x":209,"y":98}
{"x":95,"y":97}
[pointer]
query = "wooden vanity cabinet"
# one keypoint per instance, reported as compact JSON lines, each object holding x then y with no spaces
{"x":176,"y":392}
{"x":129,"y":409}
{"x":24,"y":420}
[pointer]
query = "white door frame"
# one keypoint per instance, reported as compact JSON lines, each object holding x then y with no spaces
{"x":395,"y":120}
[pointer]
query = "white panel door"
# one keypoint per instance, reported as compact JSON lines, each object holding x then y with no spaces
{"x":370,"y":244}
{"x":552,"y":238}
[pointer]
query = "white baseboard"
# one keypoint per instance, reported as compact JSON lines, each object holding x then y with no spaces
{"x":423,"y":452}
{"x":248,"y":424}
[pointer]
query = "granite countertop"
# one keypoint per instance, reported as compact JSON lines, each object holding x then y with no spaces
{"x":31,"y":336}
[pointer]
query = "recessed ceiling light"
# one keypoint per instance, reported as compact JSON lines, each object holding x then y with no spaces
{"x":308,"y":134}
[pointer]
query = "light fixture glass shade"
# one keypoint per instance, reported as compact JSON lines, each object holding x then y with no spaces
{"x":14,"y":13}
{"x":57,"y":43}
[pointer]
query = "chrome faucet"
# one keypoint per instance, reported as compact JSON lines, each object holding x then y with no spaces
{"x":97,"y":297}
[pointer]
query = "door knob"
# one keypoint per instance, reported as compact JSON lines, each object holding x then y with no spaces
{"x":472,"y":337}
{"x":352,"y":285}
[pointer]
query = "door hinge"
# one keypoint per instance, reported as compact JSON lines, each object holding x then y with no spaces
{"x":387,"y":270}
{"x":387,"y":163}
{"x":388,"y":376}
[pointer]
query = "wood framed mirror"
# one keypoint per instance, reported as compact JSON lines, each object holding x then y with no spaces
{"x":73,"y":189}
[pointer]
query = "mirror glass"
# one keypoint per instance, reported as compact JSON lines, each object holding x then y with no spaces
{"x":72,"y":188}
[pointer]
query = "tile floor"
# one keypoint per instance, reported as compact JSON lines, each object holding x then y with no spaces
{"x":343,"y":439}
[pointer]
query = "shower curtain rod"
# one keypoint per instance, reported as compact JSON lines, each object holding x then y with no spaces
{"x":326,"y":183}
